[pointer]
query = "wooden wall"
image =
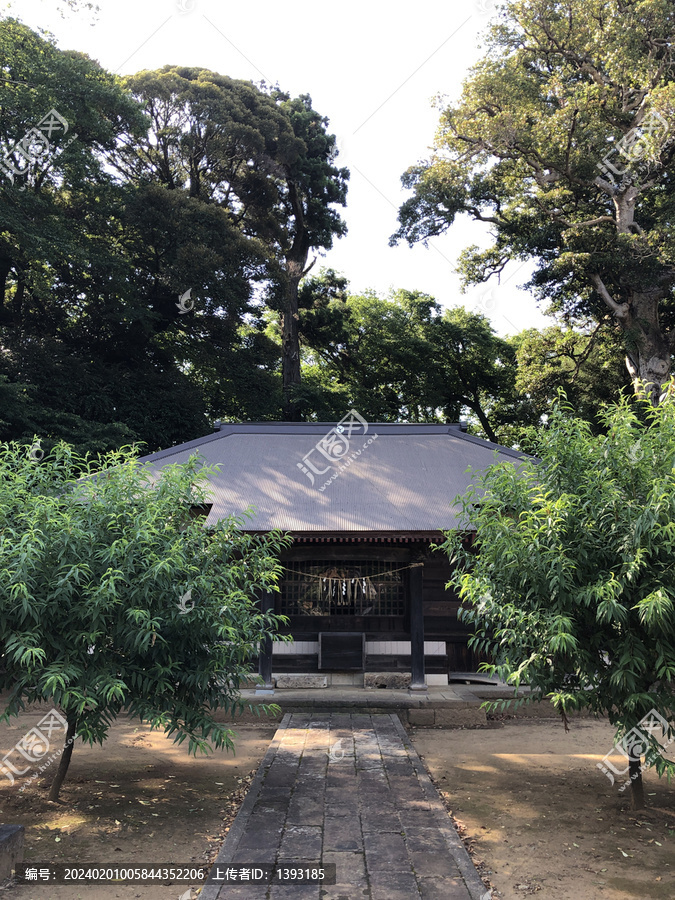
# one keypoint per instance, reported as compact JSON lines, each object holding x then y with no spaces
{"x":440,"y":610}
{"x":440,"y":616}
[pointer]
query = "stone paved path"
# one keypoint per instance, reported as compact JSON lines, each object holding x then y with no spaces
{"x":350,"y":790}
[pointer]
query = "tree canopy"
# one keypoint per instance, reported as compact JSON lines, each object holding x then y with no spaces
{"x":563,"y":142}
{"x":156,"y":257}
{"x":569,"y":583}
{"x":264,"y":159}
{"x":77,"y":339}
{"x":586,"y":362}
{"x":116,"y":597}
{"x":169,"y":185}
{"x":401,"y":357}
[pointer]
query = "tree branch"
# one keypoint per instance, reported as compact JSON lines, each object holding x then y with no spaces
{"x":476,"y":213}
{"x":581,"y":359}
{"x":620,"y":310}
{"x":309,"y":267}
{"x":587,"y":223}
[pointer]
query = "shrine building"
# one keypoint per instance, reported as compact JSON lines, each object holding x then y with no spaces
{"x":364,"y":592}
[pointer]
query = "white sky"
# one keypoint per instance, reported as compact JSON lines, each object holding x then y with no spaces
{"x":372,"y":67}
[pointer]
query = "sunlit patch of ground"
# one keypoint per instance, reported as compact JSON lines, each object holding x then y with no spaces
{"x":543,"y":818}
{"x":138,"y":800}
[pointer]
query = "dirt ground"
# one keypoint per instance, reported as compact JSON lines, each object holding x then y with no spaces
{"x":540,"y":816}
{"x":138,"y":800}
{"x":532,"y":806}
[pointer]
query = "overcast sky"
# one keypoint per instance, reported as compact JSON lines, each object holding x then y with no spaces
{"x":371,"y":67}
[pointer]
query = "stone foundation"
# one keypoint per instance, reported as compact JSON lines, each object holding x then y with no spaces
{"x":448,"y":717}
{"x":395,"y":680}
{"x":300,"y":682}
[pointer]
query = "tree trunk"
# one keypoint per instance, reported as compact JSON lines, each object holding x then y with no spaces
{"x":290,"y":339}
{"x":483,"y":419}
{"x":296,"y":260}
{"x":64,"y":762}
{"x":637,"y":797}
{"x":648,"y":348}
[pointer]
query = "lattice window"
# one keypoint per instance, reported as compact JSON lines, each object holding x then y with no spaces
{"x":329,"y":588}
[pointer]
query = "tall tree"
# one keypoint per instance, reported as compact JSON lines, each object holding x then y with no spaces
{"x":264,"y":159}
{"x":182,"y":247}
{"x":474,"y":370}
{"x":49,"y":166}
{"x":311,"y":187}
{"x":374,"y":348}
{"x":563,"y":142}
{"x":92,"y":266}
{"x":76,"y":331}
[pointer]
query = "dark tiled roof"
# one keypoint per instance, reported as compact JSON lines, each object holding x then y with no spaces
{"x":402,"y":482}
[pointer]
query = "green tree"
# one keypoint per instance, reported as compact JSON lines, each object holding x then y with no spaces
{"x":77,"y":336}
{"x":92,"y":267}
{"x":179,"y":245}
{"x":569,"y":584}
{"x":474,"y":371}
{"x":45,"y":189}
{"x":264,"y":159}
{"x":312,"y":185}
{"x":564,"y":87}
{"x":587,"y":364}
{"x":373,"y":348}
{"x":402,"y":358}
{"x":116,"y":597}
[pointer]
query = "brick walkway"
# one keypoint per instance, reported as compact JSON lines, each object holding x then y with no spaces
{"x":350,"y":790}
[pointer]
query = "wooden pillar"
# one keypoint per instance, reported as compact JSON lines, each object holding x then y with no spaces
{"x":265,"y":654}
{"x":418,"y":682}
